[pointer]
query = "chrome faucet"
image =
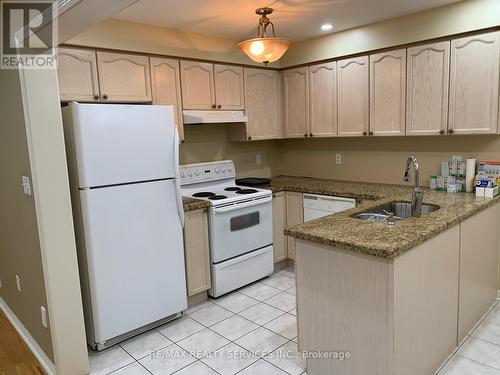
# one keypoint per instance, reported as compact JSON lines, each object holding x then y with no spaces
{"x":417,"y":195}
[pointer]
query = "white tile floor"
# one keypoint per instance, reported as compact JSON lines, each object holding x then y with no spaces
{"x":250,"y":331}
{"x":253,"y":331}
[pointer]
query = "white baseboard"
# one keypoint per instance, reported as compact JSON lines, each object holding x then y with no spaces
{"x":37,"y":351}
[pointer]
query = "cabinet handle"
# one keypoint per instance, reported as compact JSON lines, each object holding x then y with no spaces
{"x":310,"y":134}
{"x":370,"y":133}
{"x":219,"y":106}
{"x":249,"y":138}
{"x":96,"y":97}
{"x":105,"y":97}
{"x":441,"y":132}
{"x":305,"y":135}
{"x":450,"y":131}
{"x":214,"y":106}
{"x":364,"y":133}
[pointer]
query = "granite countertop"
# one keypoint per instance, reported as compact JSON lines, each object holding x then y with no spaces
{"x":374,"y":238}
{"x":191,"y":204}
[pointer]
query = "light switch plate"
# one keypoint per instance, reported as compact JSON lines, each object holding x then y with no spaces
{"x":26,"y":185}
{"x":258,"y":159}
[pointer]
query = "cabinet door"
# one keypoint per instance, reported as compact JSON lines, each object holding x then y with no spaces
{"x":229,"y":93}
{"x":77,"y":75}
{"x":296,"y":87}
{"x":479,"y":243}
{"x":428,"y":75}
{"x":353,"y":96}
{"x":166,"y":85}
{"x":279,"y":218}
{"x":323,"y":100}
{"x":196,"y":250}
{"x":197,"y":80}
{"x":474,"y":83}
{"x":294,"y":216}
{"x":388,"y":93}
{"x":124,"y":78}
{"x":263,"y":104}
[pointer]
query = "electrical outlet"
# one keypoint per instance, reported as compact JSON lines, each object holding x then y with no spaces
{"x":338,"y":158}
{"x":43,"y":312}
{"x":18,"y":283}
{"x":456,"y":158}
{"x":26,"y":185}
{"x":258,"y":159}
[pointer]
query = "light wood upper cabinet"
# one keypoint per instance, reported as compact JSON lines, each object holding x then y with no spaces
{"x":280,"y":250}
{"x":196,"y":251}
{"x":294,"y":216}
{"x":263,"y":106}
{"x":229,"y":93}
{"x":197,"y":85}
{"x":353,"y":96}
{"x":166,"y":85}
{"x":323,"y":100}
{"x":388,"y":92}
{"x":474,"y":80}
{"x":77,"y":74}
{"x":428,"y":74}
{"x":296,"y":91}
{"x":124,"y":78}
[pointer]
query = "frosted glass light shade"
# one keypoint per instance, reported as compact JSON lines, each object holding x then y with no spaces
{"x":265,"y":50}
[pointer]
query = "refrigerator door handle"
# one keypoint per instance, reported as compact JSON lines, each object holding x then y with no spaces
{"x":180,"y":206}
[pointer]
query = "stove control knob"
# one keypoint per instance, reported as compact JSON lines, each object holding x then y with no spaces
{"x":217,"y":170}
{"x":223,"y":170}
{"x":183,"y":174}
{"x":190,"y":174}
{"x":197,"y":172}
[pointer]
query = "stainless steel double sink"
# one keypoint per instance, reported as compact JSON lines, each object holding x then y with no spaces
{"x":393,"y":211}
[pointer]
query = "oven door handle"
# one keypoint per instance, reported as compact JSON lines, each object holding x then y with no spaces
{"x":235,"y":207}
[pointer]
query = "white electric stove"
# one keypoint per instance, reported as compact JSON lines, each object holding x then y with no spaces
{"x":240,"y":224}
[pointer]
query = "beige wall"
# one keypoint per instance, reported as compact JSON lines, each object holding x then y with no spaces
{"x":210,"y":142}
{"x":380,"y":159}
{"x":131,"y":36}
{"x":457,"y":18}
{"x":20,"y":251}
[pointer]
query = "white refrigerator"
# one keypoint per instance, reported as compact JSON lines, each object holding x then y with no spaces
{"x":127,"y":207}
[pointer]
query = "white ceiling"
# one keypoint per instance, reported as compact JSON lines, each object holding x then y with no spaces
{"x":295,"y":19}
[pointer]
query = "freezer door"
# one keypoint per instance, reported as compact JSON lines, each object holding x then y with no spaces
{"x":116,"y":143}
{"x":135,"y":256}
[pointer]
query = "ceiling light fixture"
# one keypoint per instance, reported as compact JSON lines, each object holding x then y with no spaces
{"x":265,"y":49}
{"x":326,"y":27}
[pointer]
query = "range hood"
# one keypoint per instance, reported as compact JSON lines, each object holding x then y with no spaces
{"x":213,"y":117}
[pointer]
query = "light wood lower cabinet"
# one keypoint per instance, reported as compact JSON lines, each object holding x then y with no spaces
{"x":124,"y":78}
{"x":77,"y":75}
{"x":196,"y":250}
{"x":294,"y":216}
{"x":474,"y":81}
{"x":479,"y":246}
{"x":166,"y":85}
{"x":280,"y":249}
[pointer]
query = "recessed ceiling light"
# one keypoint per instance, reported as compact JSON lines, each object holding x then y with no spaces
{"x":326,"y":27}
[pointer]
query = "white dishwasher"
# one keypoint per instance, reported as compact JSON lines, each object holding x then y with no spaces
{"x":316,"y":206}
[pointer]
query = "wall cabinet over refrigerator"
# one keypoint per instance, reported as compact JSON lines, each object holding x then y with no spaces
{"x":474,"y":80}
{"x":296,"y":98}
{"x":263,"y":106}
{"x":388,"y":92}
{"x":166,"y":87}
{"x":86,"y":75}
{"x":209,"y":86}
{"x":353,"y":96}
{"x":428,"y":75}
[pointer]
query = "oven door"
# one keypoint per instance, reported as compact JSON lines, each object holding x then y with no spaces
{"x":240,"y":228}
